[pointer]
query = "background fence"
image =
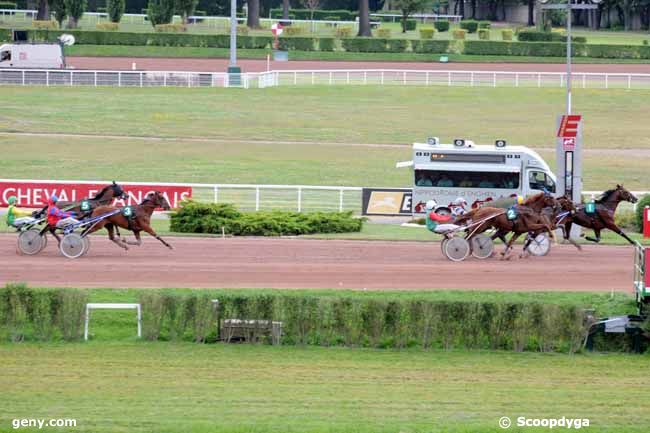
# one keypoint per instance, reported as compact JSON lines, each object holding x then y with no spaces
{"x":381,"y":77}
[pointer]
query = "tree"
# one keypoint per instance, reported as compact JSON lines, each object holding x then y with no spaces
{"x":115,"y":10}
{"x":285,"y":9}
{"x":253,"y":20}
{"x":531,"y":12}
{"x":75,"y":10}
{"x":408,"y":7}
{"x":312,"y":5}
{"x":160,"y":11}
{"x":43,"y":13}
{"x":186,"y":8}
{"x":60,"y":12}
{"x":364,"y":19}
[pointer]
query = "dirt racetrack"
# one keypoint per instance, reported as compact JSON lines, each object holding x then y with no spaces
{"x":308,"y":263}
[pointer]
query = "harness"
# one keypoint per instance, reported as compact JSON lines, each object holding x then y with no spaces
{"x":129,"y":213}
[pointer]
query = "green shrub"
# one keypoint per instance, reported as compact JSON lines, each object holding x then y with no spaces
{"x":160,"y":11}
{"x":318,"y":14}
{"x":397,"y":45}
{"x":470,"y":25}
{"x":365,"y":45}
{"x":484,"y":34}
{"x":484,"y":25}
{"x":45,"y":25}
{"x":441,"y":26}
{"x":370,"y":320}
{"x":506,"y":34}
{"x":211,"y":218}
{"x":645,"y":42}
{"x":8,"y":5}
{"x":111,"y":27}
{"x":297,"y":43}
{"x":383,"y":33}
{"x":170,"y":28}
{"x":293,"y":31}
{"x":115,"y":10}
{"x":640,"y":205}
{"x":344,"y":32}
{"x":332,"y":18}
{"x":431,"y":47}
{"x":626,"y":219}
{"x":459,"y":34}
{"x":617,"y":51}
{"x":546,"y":49}
{"x":5,"y":35}
{"x":326,"y":44}
{"x":427,"y":32}
{"x":537,"y":36}
{"x":411,"y":24}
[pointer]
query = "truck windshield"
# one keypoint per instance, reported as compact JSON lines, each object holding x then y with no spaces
{"x":464,"y":179}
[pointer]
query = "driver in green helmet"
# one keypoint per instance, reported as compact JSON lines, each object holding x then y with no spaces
{"x":15,"y":216}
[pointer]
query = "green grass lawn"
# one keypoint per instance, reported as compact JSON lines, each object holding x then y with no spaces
{"x":165,"y":387}
{"x":285,"y":135}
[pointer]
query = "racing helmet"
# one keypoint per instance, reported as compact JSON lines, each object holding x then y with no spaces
{"x":431,"y":204}
{"x":54,"y":198}
{"x":459,"y":202}
{"x":520,"y":199}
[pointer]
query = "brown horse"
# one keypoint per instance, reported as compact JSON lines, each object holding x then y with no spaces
{"x":138,"y":221}
{"x":105,"y":196}
{"x":603,"y":217}
{"x":557,"y":217}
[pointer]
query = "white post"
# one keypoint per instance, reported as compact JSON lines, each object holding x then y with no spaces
{"x":295,"y":78}
{"x":299,"y":199}
{"x":382,"y":77}
{"x":257,"y":198}
{"x":607,"y":81}
{"x":427,"y":78}
{"x":330,"y":82}
{"x":561,"y":80}
{"x":71,"y":80}
{"x":404,"y":77}
{"x":47,"y":78}
{"x":494,"y":79}
{"x":347,"y":79}
{"x":472,"y":79}
{"x":584,"y":81}
{"x":86,"y":324}
{"x":539,"y":80}
{"x":365,"y":77}
{"x":189,"y":79}
{"x":165,"y":79}
{"x":139,"y":321}
{"x":449,"y":79}
{"x":95,"y":78}
{"x":516,"y":79}
{"x":216,"y":194}
{"x":341,"y":200}
{"x":313,"y":78}
{"x":629,"y":81}
{"x":119,"y":79}
{"x":47,"y":75}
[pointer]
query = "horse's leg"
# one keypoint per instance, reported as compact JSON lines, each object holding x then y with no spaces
{"x":138,"y":240}
{"x":512,"y":240}
{"x":597,"y":238}
{"x":147,"y":228}
{"x":52,"y":231}
{"x":109,"y":228}
{"x":616,"y":229}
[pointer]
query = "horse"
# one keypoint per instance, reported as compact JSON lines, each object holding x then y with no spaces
{"x":105,"y":196}
{"x":556,"y":216}
{"x":603,"y":217}
{"x":138,"y":221}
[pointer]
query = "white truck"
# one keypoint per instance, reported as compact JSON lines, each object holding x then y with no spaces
{"x":32,"y":56}
{"x":476,"y":173}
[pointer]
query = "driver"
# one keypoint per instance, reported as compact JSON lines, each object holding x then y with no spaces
{"x":57,"y":217}
{"x":17,"y":217}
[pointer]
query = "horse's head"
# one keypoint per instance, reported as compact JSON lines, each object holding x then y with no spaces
{"x":566,"y":204}
{"x":158,"y":199}
{"x":118,"y":192}
{"x":625,"y":195}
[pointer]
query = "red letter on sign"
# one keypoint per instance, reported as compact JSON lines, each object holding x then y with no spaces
{"x":569,"y":126}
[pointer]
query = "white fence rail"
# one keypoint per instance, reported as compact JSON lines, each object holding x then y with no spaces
{"x":381,"y":77}
{"x":422,"y":17}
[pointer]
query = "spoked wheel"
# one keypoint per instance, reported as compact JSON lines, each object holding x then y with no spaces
{"x":72,"y":245}
{"x":540,"y":246}
{"x":482,"y":246}
{"x":86,"y":241}
{"x":31,"y":242}
{"x":457,"y":249}
{"x":442,"y":245}
{"x":44,"y":236}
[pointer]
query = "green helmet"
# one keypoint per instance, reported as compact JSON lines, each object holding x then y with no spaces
{"x":12,"y":200}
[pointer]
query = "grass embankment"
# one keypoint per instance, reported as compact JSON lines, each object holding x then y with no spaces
{"x":229,"y":150}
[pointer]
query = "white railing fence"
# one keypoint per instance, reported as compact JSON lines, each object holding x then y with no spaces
{"x":381,"y":77}
{"x":421,"y":17}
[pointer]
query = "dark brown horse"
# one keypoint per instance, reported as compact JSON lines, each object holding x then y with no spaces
{"x":138,"y":221}
{"x":603,"y":217}
{"x":105,"y":196}
{"x":557,"y":217}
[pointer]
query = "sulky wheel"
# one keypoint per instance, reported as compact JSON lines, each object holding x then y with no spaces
{"x":457,"y":249}
{"x":540,"y":246}
{"x":72,"y":245}
{"x":482,"y":246}
{"x":86,"y":240}
{"x":30,"y":242}
{"x":442,"y":245}
{"x":44,"y":236}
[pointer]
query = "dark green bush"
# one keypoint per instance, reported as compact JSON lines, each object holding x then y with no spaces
{"x":196,"y":217}
{"x":43,"y":315}
{"x":8,"y":5}
{"x":441,"y":26}
{"x":641,"y":204}
{"x":537,"y":36}
{"x":326,"y":44}
{"x":411,"y":24}
{"x":297,"y":43}
{"x":324,"y":15}
{"x":484,"y":24}
{"x":365,"y":45}
{"x":397,"y":45}
{"x":5,"y":35}
{"x":618,"y":51}
{"x":470,"y":25}
{"x":494,"y":48}
{"x":433,"y":47}
{"x":370,"y":320}
{"x":484,"y":34}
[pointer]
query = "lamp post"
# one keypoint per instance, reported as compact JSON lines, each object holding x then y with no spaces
{"x":234,"y":71}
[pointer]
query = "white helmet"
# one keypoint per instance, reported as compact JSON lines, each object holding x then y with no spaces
{"x":459,"y":202}
{"x":431,"y":204}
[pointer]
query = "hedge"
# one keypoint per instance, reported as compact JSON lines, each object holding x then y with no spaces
{"x":427,"y":33}
{"x":8,"y":5}
{"x":506,"y":34}
{"x":441,"y":26}
{"x":484,"y":34}
{"x":411,"y":24}
{"x":484,"y":24}
{"x":542,"y":49}
{"x":470,"y":25}
{"x":368,"y":320}
{"x":459,"y":34}
{"x":305,"y":14}
{"x":432,"y":47}
{"x":41,"y":315}
{"x":326,"y":44}
{"x":537,"y":36}
{"x":365,"y":45}
{"x":196,"y":217}
{"x":6,"y":35}
{"x":297,"y":43}
{"x":641,"y":204}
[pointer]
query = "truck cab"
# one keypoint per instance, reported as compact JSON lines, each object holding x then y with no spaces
{"x":32,"y":56}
